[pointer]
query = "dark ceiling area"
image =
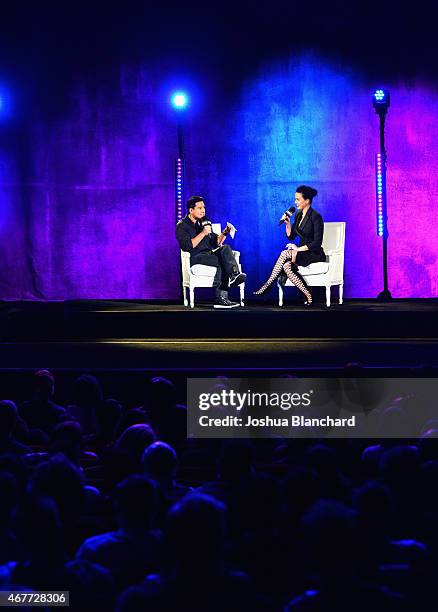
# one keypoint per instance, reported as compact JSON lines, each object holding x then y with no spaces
{"x":43,"y":45}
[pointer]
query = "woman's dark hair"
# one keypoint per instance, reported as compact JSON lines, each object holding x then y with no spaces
{"x":191,"y":202}
{"x":307,"y":192}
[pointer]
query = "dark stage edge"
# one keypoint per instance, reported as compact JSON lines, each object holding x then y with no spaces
{"x":96,"y":320}
{"x":164,"y":336}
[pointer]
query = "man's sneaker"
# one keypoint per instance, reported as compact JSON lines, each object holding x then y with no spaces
{"x":237,"y":279}
{"x":222,"y":301}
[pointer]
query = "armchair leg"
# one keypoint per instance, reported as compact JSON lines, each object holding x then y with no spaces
{"x":186,"y":301}
{"x":242,"y":294}
{"x":327,"y":295}
{"x":192,"y":297}
{"x":341,"y":293}
{"x":280,"y":295}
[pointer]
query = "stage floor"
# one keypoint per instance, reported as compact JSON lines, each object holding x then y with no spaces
{"x":164,"y":336}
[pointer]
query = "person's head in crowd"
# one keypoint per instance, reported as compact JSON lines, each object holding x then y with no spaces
{"x":331,"y":540}
{"x":39,"y":531}
{"x":394,"y":422}
{"x":322,"y":459}
{"x":8,"y":498}
{"x":8,"y":419}
{"x":134,"y":416}
{"x":236,"y":460}
{"x":87,"y":391}
{"x":59,"y":479}
{"x":300,"y":491}
{"x":375,"y":504}
{"x":108,"y":414}
{"x":91,"y":586}
{"x":67,"y":439}
{"x":134,"y":440}
{"x":44,"y":385}
{"x":196,"y":532}
{"x":159,"y":462}
{"x":429,"y":485}
{"x":399,"y":466}
{"x":135,"y":500}
{"x":160,"y":394}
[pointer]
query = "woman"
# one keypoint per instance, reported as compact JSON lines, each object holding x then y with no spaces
{"x":309,"y":227}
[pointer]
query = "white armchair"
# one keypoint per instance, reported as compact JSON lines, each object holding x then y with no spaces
{"x":329,"y":273}
{"x":200,"y":275}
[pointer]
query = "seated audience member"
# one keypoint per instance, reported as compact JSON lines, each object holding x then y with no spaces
{"x":124,"y":456}
{"x":134,"y":548}
{"x":88,"y":396}
{"x":8,"y":499}
{"x":133,"y":416}
{"x":41,"y":412}
{"x":108,"y":415}
{"x":325,"y":462}
{"x":67,"y":439}
{"x":91,"y":586}
{"x":196,"y":575}
{"x":160,"y":464}
{"x":235,"y":471}
{"x":334,"y":554}
{"x":9,"y":420}
{"x":63,"y":482}
{"x":40,"y":543}
{"x":134,"y":441}
{"x":164,"y":414}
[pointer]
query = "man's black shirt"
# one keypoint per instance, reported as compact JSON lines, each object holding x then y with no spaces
{"x":186,"y":229}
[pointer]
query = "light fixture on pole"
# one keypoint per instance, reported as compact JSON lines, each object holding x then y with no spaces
{"x":180,"y":102}
{"x":381,"y":101}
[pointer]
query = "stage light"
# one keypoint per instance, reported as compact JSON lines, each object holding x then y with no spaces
{"x":180,"y":100}
{"x":381,"y":101}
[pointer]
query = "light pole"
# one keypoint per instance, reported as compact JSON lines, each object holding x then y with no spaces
{"x":381,"y":101}
{"x":180,"y":102}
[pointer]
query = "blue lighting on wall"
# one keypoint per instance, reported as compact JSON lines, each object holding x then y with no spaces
{"x":381,"y":213}
{"x":180,"y":100}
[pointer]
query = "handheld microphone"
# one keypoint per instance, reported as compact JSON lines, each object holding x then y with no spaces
{"x":205,"y":222}
{"x":287,"y":214}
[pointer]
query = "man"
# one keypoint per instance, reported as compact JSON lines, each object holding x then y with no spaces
{"x":194,"y":234}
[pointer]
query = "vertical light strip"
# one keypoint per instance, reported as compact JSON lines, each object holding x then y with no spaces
{"x":179,"y":187}
{"x":381,"y":215}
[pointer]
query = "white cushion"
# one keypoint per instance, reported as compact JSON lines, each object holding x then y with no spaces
{"x":320,"y":267}
{"x":201,"y":270}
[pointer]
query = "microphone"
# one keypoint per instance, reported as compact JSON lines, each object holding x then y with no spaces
{"x":287,"y":214}
{"x":205,"y":222}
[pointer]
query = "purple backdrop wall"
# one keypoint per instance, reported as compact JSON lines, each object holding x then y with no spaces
{"x":87,"y":207}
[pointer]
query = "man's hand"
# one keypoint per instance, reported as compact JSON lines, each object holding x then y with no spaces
{"x":206,"y":230}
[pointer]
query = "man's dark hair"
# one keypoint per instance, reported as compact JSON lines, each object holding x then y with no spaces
{"x":191,"y":202}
